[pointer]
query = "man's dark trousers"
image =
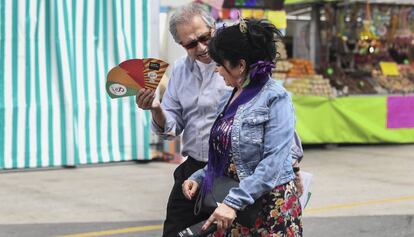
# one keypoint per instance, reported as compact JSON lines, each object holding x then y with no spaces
{"x":180,"y":210}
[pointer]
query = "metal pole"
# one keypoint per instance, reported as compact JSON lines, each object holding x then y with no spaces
{"x":314,"y":35}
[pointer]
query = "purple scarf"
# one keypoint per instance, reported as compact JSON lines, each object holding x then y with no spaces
{"x":219,"y":151}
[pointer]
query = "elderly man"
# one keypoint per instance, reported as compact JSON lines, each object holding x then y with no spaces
{"x":188,"y":107}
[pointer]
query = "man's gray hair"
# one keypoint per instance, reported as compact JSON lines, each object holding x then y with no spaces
{"x":185,"y":14}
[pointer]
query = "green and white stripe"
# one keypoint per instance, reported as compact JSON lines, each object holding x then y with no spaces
{"x":54,"y":56}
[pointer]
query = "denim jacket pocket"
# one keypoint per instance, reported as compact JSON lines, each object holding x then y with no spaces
{"x":253,"y":124}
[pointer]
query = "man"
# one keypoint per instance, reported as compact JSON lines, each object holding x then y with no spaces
{"x":188,"y":107}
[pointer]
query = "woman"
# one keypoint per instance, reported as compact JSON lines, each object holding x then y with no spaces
{"x":251,"y":139}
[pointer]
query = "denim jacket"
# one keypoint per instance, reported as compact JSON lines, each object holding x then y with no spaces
{"x":262,"y":135}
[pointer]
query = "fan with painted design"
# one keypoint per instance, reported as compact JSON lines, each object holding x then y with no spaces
{"x":132,"y":75}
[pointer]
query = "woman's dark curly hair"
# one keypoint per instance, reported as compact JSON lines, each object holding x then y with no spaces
{"x":258,"y":43}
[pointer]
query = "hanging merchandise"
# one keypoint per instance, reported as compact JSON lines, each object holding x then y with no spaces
{"x":256,"y":9}
{"x":257,"y":4}
{"x":258,"y":14}
{"x":278,"y":18}
{"x":217,"y":4}
{"x":354,"y":38}
{"x":368,"y":30}
{"x":247,"y":13}
{"x":234,"y":14}
{"x":383,"y":34}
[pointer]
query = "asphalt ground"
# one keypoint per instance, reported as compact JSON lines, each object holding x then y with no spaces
{"x":356,"y":191}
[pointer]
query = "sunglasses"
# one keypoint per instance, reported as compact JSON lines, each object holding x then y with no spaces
{"x":201,"y":39}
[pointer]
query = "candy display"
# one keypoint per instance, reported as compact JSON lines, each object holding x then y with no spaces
{"x":407,"y":71}
{"x":300,"y":67}
{"x":314,"y":85}
{"x":396,"y":84}
{"x":283,"y":66}
{"x":351,"y":83}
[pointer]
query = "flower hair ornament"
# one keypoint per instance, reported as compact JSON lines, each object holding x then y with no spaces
{"x":242,"y":24}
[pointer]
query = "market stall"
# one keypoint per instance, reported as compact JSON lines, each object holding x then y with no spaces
{"x":365,"y":61}
{"x":348,"y":64}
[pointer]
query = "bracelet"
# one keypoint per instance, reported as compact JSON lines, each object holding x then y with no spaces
{"x":296,"y":169}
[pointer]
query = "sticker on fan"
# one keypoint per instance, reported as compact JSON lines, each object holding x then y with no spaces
{"x":152,"y":76}
{"x":154,"y":66}
{"x":118,"y":89}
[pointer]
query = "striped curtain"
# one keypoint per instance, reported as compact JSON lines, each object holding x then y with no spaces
{"x":54,"y":56}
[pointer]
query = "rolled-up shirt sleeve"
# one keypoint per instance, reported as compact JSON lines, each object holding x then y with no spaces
{"x":172,"y":108}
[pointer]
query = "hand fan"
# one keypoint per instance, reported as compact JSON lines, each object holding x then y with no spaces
{"x":132,"y":75}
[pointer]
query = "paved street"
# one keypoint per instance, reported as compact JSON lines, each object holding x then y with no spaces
{"x":356,"y":191}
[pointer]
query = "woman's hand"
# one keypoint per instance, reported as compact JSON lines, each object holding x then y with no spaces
{"x":298,"y":183}
{"x":190,"y":188}
{"x":224,"y":215}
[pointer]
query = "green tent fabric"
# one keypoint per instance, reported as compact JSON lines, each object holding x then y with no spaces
{"x":54,"y":56}
{"x":354,"y":119}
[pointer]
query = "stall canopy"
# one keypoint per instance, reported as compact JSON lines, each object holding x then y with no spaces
{"x":410,"y":2}
{"x":54,"y":56}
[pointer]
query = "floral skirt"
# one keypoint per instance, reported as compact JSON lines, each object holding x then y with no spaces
{"x":280,"y":216}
